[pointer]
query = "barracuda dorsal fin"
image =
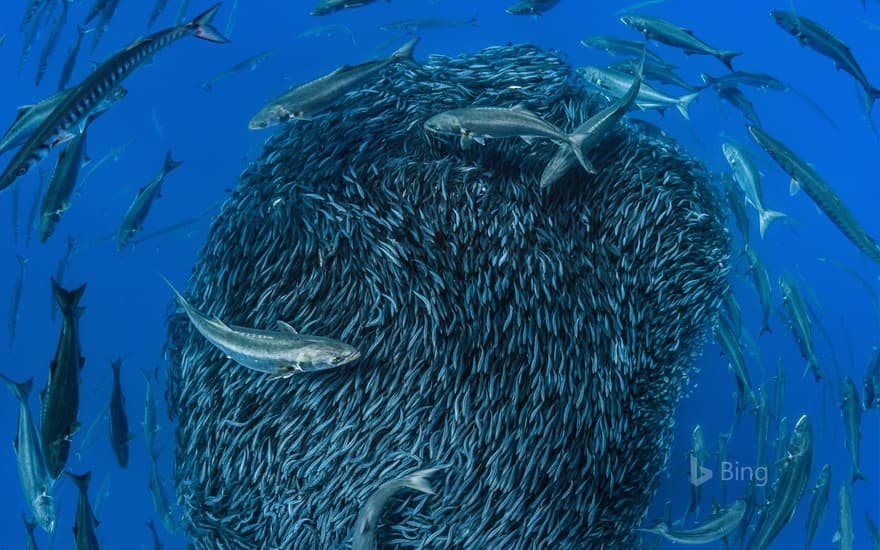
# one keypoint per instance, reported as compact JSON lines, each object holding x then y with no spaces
{"x":285,"y":327}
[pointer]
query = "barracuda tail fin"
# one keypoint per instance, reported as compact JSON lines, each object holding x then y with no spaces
{"x":68,"y":300}
{"x":857,"y":475}
{"x":201,"y":26}
{"x":81,"y":480}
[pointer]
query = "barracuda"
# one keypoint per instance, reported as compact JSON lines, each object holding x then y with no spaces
{"x":76,"y":107}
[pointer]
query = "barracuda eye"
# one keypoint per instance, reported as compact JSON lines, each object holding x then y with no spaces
{"x":21,"y":171}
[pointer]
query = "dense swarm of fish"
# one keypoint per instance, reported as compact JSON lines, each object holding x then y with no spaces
{"x":493,"y":317}
{"x":458,"y":265}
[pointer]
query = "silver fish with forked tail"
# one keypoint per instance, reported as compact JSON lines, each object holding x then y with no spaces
{"x":281,"y":353}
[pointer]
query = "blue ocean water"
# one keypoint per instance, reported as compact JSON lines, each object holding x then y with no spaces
{"x":127,"y":303}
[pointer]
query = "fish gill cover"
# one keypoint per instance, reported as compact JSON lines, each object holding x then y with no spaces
{"x":531,"y":345}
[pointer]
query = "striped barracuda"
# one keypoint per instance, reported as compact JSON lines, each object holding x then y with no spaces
{"x":803,"y":176}
{"x":70,"y":114}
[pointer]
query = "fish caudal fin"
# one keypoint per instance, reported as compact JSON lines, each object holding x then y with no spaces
{"x":684,"y":102}
{"x":81,"y":480}
{"x":857,"y":474}
{"x":419,"y":481}
{"x":21,"y":390}
{"x":68,"y":300}
{"x":404,"y":54}
{"x":201,"y":26}
{"x":871,"y":95}
{"x":765,"y":217}
{"x":170,"y":163}
{"x":576,"y":142}
{"x":726,"y":57}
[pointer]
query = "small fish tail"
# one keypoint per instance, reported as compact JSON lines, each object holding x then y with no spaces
{"x":68,"y":300}
{"x":28,"y":524}
{"x":857,"y":474}
{"x":21,"y":390}
{"x":684,"y":102}
{"x":81,"y":480}
{"x":170,"y":163}
{"x":201,"y":26}
{"x":871,"y":95}
{"x":404,"y":54}
{"x":765,"y":327}
{"x":206,"y":86}
{"x":726,"y":57}
{"x":765,"y":217}
{"x":473,"y":21}
{"x":419,"y":481}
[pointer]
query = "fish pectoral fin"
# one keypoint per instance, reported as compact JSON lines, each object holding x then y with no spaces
{"x":528,"y":139}
{"x":479,"y":139}
{"x":285,"y":327}
{"x":63,"y":137}
{"x":793,"y":187}
{"x":285,"y":371}
{"x":466,"y":139}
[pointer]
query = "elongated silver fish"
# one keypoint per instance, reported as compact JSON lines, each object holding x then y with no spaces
{"x":746,"y":174}
{"x":16,"y":298}
{"x":160,"y":500}
{"x":150,"y":425}
{"x":738,"y":207}
{"x":620,"y":46}
{"x":72,"y":54}
{"x":158,"y":8}
{"x":761,"y":278}
{"x":851,"y":408}
{"x":715,"y":527}
{"x":327,"y":30}
{"x":74,"y":109}
{"x":133,"y":221}
{"x":658,"y":73}
{"x":762,"y":426}
{"x":36,"y":483}
{"x":478,"y":123}
{"x":307,"y":100}
{"x":731,"y":348}
{"x":52,"y":40}
{"x":818,"y":503}
{"x":804,"y":177}
{"x":248,"y":64}
{"x":281,"y":353}
{"x":697,"y":457}
{"x":844,"y":535}
{"x":326,"y":7}
{"x":157,"y":545}
{"x":813,"y":35}
{"x":791,"y":480}
{"x":745,"y":78}
{"x":30,"y":117}
{"x":800,"y":323}
{"x":60,"y":399}
{"x":119,"y":434}
{"x":738,"y":99}
{"x":412,"y":25}
{"x":59,"y":193}
{"x":84,"y":537}
{"x":661,"y":30}
{"x":364,"y":537}
{"x":617,"y":84}
{"x":531,"y":7}
{"x":595,"y":129}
